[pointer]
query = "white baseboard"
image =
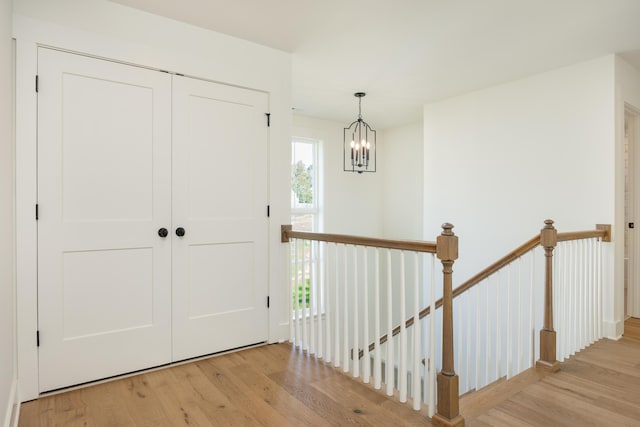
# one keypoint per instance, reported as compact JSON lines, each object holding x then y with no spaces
{"x":613,"y":330}
{"x":13,"y":407}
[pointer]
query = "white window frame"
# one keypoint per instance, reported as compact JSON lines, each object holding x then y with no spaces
{"x":314,"y":209}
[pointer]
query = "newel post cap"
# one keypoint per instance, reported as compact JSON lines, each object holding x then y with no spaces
{"x":548,"y":235}
{"x":284,"y":232}
{"x":447,"y":244}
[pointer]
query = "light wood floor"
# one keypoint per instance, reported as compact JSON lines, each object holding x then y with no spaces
{"x":266,"y":386}
{"x":599,"y":386}
{"x":277,"y":386}
{"x":632,"y":328}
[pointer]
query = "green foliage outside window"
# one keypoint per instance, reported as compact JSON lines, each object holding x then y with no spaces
{"x":303,"y":298}
{"x":303,"y":182}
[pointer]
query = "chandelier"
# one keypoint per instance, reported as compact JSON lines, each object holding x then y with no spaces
{"x":359,"y":145}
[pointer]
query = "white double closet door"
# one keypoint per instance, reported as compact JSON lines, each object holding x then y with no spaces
{"x":124,"y":152}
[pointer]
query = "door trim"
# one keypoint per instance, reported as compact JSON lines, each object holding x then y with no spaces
{"x":632,"y":307}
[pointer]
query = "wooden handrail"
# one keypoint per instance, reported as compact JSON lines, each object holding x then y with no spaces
{"x":604,"y":234}
{"x":404,"y":245}
{"x":502,"y":262}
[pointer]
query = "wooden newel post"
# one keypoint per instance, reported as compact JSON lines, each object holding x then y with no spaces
{"x":548,"y":240}
{"x":448,"y":413}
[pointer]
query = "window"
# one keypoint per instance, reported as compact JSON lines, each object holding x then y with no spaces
{"x":305,"y":216}
{"x":305,"y":211}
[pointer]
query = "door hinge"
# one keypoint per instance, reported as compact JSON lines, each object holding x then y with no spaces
{"x":36,"y":83}
{"x":268,"y":211}
{"x":37,"y":212}
{"x":268,"y":119}
{"x":37,"y":338}
{"x":268,"y":302}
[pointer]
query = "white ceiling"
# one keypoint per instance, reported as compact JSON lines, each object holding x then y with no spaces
{"x":405,"y":53}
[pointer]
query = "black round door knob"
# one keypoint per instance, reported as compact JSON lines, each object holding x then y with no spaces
{"x":163,"y":232}
{"x":180,"y":232}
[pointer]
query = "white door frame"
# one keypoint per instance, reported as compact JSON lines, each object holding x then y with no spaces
{"x":274,"y":78}
{"x":633,"y":286}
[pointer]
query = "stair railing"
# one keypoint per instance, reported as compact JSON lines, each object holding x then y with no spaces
{"x":496,"y":314}
{"x":336,"y":310}
{"x":499,"y":311}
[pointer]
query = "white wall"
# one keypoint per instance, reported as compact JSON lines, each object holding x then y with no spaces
{"x":499,"y":161}
{"x":401,"y":158}
{"x":110,"y":30}
{"x":7,"y":304}
{"x":351,"y":202}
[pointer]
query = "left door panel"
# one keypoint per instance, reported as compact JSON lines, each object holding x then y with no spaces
{"x":104,"y":191}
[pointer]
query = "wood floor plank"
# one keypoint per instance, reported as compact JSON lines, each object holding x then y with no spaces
{"x":498,"y":418}
{"x":366,"y":402}
{"x":607,"y":398}
{"x":475,"y":403}
{"x":280,"y":399}
{"x":632,"y":328}
{"x":104,"y":405}
{"x":576,"y":407}
{"x":179,"y":400}
{"x":242,"y":395}
{"x":316,"y":400}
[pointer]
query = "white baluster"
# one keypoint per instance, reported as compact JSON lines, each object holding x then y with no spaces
{"x":292,"y":291}
{"x":599,"y":287}
{"x":576,"y":307}
{"x":417,"y":345}
{"x":356,"y":318}
{"x":520,"y":318}
{"x":509,"y":323}
{"x":298,"y":295}
{"x":389,"y":364}
{"x":561,"y":315}
{"x":532,"y":305}
{"x":303,"y":318}
{"x":469,"y":337}
{"x":366,"y":366}
{"x":498,"y":330}
{"x":477,"y":334}
{"x":312,"y":299}
{"x":571,"y":314}
{"x":568,"y":304}
{"x":581,"y":304}
{"x":457,"y":347}
{"x":319,"y":299}
{"x":592,"y":252}
{"x":487,"y":338}
{"x":328,"y":309}
{"x":345,"y":338}
{"x":377,"y":363}
{"x":432,"y":339}
{"x":402,"y":380}
{"x":590,"y":306}
{"x":336,"y":320}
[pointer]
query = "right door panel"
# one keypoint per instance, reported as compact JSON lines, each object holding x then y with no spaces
{"x":220,"y":146}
